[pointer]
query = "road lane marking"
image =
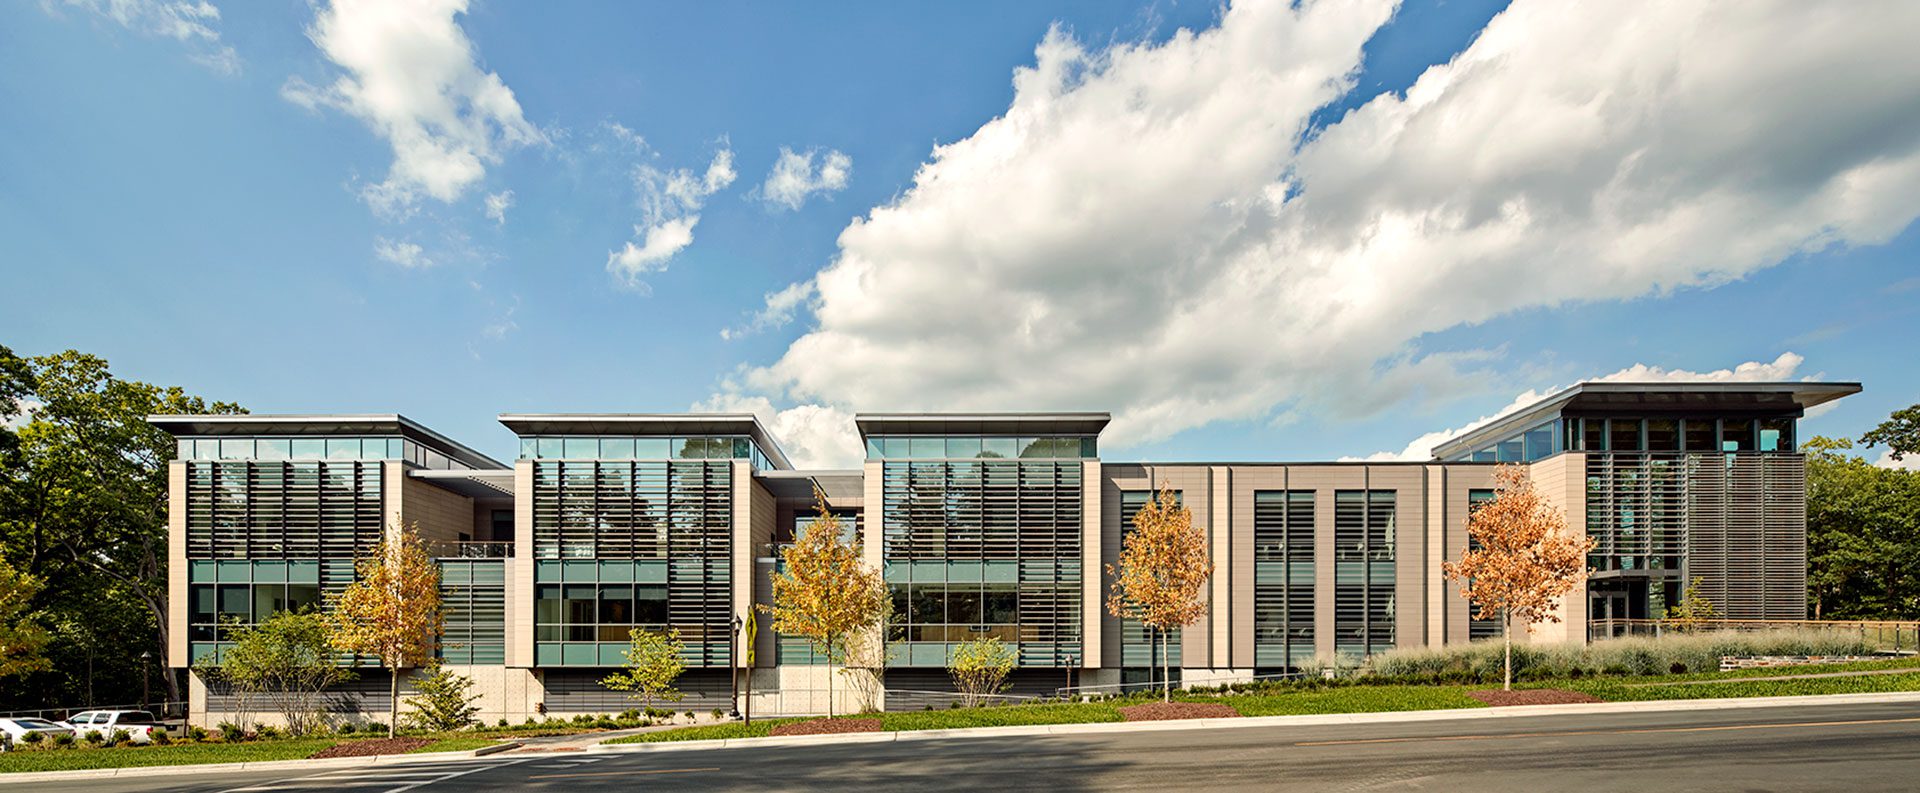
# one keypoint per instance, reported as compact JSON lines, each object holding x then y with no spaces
{"x":624,"y":773}
{"x":1579,"y":733}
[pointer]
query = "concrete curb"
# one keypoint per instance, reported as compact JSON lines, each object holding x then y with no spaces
{"x":264,"y":765}
{"x":1459,"y":714}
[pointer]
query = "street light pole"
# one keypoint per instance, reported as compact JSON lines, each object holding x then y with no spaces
{"x":146,"y":699}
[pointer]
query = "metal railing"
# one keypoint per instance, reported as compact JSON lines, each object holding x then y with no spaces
{"x":470,"y":549}
{"x":1900,"y":636}
{"x":166,"y":711}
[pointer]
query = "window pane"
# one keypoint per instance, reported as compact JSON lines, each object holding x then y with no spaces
{"x":1510,"y":451}
{"x":529,"y":449}
{"x":1595,"y":438}
{"x":268,"y":599}
{"x":873,"y":449}
{"x":929,"y":604}
{"x":1089,"y":447}
{"x":235,"y":601}
{"x":616,"y":448}
{"x":652,"y":448}
{"x":1736,"y":435}
{"x":1700,"y":435}
{"x":303,"y":596}
{"x":273,"y":449}
{"x":202,"y":600}
{"x":1623,"y":435}
{"x":1539,"y":442}
{"x":396,"y":449}
{"x":1484,"y":456}
{"x":741,"y":449}
{"x":1002,"y":605}
{"x":309,"y":449}
{"x":616,"y":605}
{"x":1033,"y":447}
{"x":650,"y":605}
{"x":1776,"y":435}
{"x":580,"y":448}
{"x":343,"y":448}
{"x":236,"y":448}
{"x":680,"y":449}
{"x":1663,"y":435}
{"x":963,"y":607}
{"x":549,"y":448}
{"x":926,"y":448}
{"x":963,"y":448}
{"x":1003,"y":448}
{"x":547,"y":608}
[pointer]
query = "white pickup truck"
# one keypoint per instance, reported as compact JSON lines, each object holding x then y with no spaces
{"x":139,"y":724}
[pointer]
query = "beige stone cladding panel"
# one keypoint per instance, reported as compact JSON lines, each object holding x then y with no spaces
{"x":1092,"y":534}
{"x":1113,"y":477}
{"x":1457,"y":481}
{"x":1562,"y":481}
{"x":1194,"y":483}
{"x":177,"y":651}
{"x":520,"y":570}
{"x":762,"y":514}
{"x":441,"y":516}
{"x":1219,"y":620}
{"x":504,"y":692}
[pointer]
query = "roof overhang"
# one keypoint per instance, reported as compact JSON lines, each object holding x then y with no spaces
{"x":648,"y":425}
{"x":1085,"y":423}
{"x":232,"y":425}
{"x":1655,"y":399}
{"x":799,"y":485}
{"x":493,"y":485}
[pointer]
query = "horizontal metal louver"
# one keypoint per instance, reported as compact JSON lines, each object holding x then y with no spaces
{"x":1283,"y":583}
{"x":283,"y":510}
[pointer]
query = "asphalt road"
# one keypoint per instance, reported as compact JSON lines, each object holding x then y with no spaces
{"x":1831,"y":747}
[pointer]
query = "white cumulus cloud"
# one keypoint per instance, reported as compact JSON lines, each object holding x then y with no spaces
{"x":1780,"y":369}
{"x":410,"y":74}
{"x":670,"y":203}
{"x":777,"y":312}
{"x":401,"y":252}
{"x":813,"y":436}
{"x":190,"y":22}
{"x":795,"y":177}
{"x":1153,"y":228}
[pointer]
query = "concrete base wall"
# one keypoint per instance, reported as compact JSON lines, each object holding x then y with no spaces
{"x":1197,"y":678}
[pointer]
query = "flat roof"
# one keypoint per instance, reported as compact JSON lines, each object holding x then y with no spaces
{"x":1653,"y":399}
{"x":1069,"y":423}
{"x":648,"y":424}
{"x":201,"y":425}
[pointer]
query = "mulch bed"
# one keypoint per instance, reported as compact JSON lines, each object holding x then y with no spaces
{"x":1164,"y":711}
{"x":1533,"y":696}
{"x":375,"y":746}
{"x":827,"y":727}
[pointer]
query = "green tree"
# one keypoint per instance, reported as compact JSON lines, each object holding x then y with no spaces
{"x":83,"y":499}
{"x":392,"y":612}
{"x":1863,"y":535}
{"x":1900,"y":432}
{"x":287,"y":661}
{"x":980,"y":667}
{"x":652,"y":664}
{"x":1694,"y":608}
{"x":22,"y":641}
{"x":445,"y":701}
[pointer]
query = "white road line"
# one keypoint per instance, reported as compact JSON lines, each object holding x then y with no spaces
{"x":484,"y":767}
{"x":371,"y":777}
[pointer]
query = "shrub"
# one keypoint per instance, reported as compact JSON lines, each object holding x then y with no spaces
{"x":1677,"y":668}
{"x":94,"y":737}
{"x":373,"y":726}
{"x":63,"y":739}
{"x":33,"y":738}
{"x":197,"y":733}
{"x":718,"y":714}
{"x":503,"y":721}
{"x":1669,"y":654}
{"x":445,"y":701}
{"x":530,"y":722}
{"x":582,"y":719}
{"x":691,"y":716}
{"x":267,"y":732}
{"x":230,"y":731}
{"x":605,"y":723}
{"x":160,"y":736}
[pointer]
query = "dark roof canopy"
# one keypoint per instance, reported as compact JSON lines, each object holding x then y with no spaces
{"x":1654,"y":399}
{"x":219,"y":425}
{"x":647,"y":424}
{"x":1085,"y":423}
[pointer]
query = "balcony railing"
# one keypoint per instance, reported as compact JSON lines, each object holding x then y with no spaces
{"x":470,"y":549}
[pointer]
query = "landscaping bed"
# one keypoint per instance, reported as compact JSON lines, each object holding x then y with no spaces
{"x":372,"y":747}
{"x":1168,"y":711}
{"x":1533,"y":696}
{"x":826,"y":727}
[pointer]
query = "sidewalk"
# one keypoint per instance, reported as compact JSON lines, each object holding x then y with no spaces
{"x":1519,"y":711}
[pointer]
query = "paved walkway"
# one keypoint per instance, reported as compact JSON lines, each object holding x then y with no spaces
{"x":1807,"y":676}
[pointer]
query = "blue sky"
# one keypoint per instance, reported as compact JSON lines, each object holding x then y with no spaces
{"x":1256,"y":239}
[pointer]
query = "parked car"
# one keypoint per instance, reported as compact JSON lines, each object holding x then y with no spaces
{"x":139,"y":724}
{"x":17,"y":728}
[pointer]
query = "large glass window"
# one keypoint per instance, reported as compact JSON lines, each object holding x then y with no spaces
{"x":1736,"y":435}
{"x":1776,"y":435}
{"x":1700,"y":435}
{"x":1663,"y":435}
{"x":1539,"y":442}
{"x":1594,"y":435}
{"x":1623,"y":435}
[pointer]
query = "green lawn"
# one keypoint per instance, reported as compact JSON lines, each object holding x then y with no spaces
{"x":1349,"y":698}
{"x":177,"y":754}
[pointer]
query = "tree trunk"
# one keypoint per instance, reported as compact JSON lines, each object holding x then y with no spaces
{"x":393,"y":702}
{"x":1166,"y":667}
{"x":1506,"y":638}
{"x":829,"y":677}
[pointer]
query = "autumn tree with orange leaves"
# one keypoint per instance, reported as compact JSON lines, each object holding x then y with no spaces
{"x":1524,"y":561}
{"x":392,"y":611}
{"x":824,"y":593}
{"x":1163,"y":569}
